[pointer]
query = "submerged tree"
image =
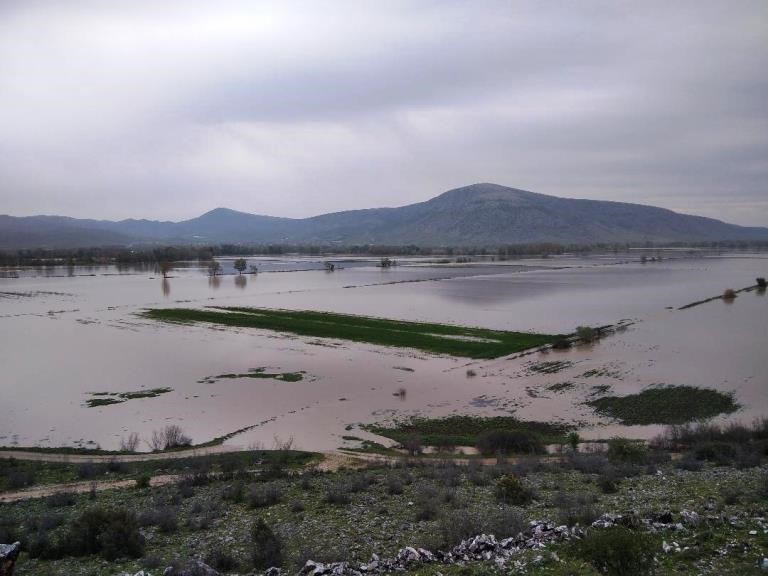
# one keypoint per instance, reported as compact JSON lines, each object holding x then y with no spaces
{"x":165,"y":268}
{"x":214,"y":268}
{"x":240,"y":265}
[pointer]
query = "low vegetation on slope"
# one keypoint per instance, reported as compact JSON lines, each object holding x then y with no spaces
{"x":700,"y":514}
{"x":437,"y":338}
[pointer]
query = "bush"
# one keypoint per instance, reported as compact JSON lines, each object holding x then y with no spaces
{"x":576,"y":508}
{"x":455,"y":526}
{"x":9,"y":530}
{"x":619,"y":551}
{"x":510,"y":441}
{"x":143,"y":481}
{"x":426,"y":503}
{"x":58,"y":500}
{"x":337,"y":494}
{"x":511,"y":490}
{"x":586,"y":333}
{"x":113,"y":533}
{"x":233,"y":492}
{"x":394,"y":484}
{"x":627,"y":451}
{"x":263,"y":495}
{"x":267,"y":549}
{"x":221,"y":560}
{"x":721,"y":453}
{"x":608,"y":480}
{"x":19,"y":478}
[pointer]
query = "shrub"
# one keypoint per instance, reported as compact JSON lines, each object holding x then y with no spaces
{"x":762,"y":486}
{"x":267,"y":549}
{"x":167,"y":519}
{"x":143,"y":481}
{"x":716,"y":451}
{"x":87,"y":471}
{"x":113,"y":533}
{"x":455,"y":526}
{"x":426,"y":503}
{"x":586,"y":333}
{"x":222,"y":560}
{"x":511,"y":490}
{"x":729,"y":294}
{"x":627,"y":451}
{"x":510,"y":441}
{"x":9,"y":529}
{"x":618,"y":551}
{"x":394,"y":484}
{"x":58,"y":500}
{"x":233,"y":492}
{"x":263,"y":495}
{"x":338,"y":494}
{"x":608,"y":480}
{"x":576,"y":508}
{"x":19,"y":478}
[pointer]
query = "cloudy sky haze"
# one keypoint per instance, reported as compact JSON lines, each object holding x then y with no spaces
{"x":167,"y":110}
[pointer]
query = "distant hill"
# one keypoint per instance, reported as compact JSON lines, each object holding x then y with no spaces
{"x":481,"y":214}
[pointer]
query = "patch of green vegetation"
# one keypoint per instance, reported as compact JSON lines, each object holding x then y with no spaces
{"x":561,"y":386}
{"x":259,"y":373}
{"x":465,"y":430}
{"x":370,"y":447}
{"x":550,"y":366}
{"x":437,"y":338}
{"x":96,"y":402}
{"x":665,"y":405}
{"x":603,"y":372}
{"x":107,"y":398}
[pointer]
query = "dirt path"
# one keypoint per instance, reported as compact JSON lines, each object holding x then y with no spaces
{"x":80,"y":487}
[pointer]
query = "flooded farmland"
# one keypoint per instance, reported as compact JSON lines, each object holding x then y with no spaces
{"x":72,"y":336}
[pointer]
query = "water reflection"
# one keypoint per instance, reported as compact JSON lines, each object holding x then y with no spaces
{"x":241,"y":281}
{"x":166,"y":287}
{"x":214,"y":282}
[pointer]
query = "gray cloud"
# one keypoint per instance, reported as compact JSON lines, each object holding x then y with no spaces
{"x":165,"y":110}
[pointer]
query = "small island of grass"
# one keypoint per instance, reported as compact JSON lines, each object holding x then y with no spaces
{"x":665,"y":405}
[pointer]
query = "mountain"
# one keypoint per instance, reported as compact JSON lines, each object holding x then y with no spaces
{"x":480,"y":214}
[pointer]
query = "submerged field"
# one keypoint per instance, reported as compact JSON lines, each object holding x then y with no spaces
{"x":296,"y":353}
{"x":438,"y":338}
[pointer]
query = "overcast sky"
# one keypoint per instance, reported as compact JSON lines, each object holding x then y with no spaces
{"x":169,"y":109}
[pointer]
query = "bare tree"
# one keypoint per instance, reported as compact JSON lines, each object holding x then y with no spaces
{"x":172,"y":436}
{"x":130,"y":444}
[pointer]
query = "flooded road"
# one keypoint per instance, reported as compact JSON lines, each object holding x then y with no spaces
{"x":70,"y":335}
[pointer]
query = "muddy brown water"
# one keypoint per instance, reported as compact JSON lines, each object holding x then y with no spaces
{"x":64,"y":337}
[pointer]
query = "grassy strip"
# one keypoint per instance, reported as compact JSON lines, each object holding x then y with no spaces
{"x":720,"y":297}
{"x":107,"y":398}
{"x":257,"y":373}
{"x":438,"y":338}
{"x":465,"y":430}
{"x":665,"y":405}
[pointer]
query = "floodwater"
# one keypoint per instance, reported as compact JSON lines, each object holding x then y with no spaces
{"x":67,"y":333}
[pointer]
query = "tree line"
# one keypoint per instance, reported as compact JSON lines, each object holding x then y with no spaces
{"x":153,"y":255}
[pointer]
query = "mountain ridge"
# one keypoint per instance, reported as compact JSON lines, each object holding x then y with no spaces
{"x":475,"y":215}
